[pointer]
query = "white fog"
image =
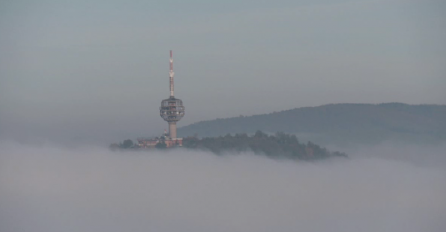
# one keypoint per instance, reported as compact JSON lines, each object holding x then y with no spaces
{"x":53,"y":189}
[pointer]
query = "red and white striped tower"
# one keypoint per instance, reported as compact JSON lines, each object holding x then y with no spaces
{"x":171,"y":74}
{"x":172,"y":109}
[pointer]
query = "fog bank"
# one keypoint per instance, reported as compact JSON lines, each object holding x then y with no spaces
{"x":50,"y":189}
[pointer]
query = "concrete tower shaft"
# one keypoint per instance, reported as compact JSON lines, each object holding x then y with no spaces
{"x":173,"y":130}
{"x":172,"y":109}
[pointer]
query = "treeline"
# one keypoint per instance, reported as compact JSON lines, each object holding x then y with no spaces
{"x":280,"y":145}
{"x":128,"y":144}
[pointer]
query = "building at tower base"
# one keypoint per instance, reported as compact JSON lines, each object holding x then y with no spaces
{"x":152,"y":143}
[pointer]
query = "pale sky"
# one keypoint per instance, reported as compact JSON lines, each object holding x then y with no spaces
{"x":98,"y":70}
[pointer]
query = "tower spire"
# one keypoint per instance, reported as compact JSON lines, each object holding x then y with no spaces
{"x":171,"y":74}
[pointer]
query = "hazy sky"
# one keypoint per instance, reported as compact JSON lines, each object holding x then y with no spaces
{"x":99,"y":69}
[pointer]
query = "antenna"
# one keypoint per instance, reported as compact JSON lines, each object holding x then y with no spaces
{"x":171,"y":73}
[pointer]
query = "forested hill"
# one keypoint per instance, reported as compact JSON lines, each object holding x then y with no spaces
{"x":277,"y":146}
{"x":339,"y":123}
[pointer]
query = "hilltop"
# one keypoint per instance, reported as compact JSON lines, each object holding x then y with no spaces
{"x":278,"y":146}
{"x":338,"y":123}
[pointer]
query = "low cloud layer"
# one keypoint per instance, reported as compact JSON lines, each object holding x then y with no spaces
{"x":49,"y":189}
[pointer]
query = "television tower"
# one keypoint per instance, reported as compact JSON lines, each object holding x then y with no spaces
{"x":172,"y":109}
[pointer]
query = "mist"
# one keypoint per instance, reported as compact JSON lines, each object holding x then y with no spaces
{"x":48,"y":188}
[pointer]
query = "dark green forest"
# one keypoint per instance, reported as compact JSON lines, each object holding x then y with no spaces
{"x":280,"y":145}
{"x":338,"y":124}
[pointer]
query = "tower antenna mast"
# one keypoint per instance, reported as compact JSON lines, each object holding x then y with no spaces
{"x":171,"y":74}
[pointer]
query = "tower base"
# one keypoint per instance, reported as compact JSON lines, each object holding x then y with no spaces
{"x":173,"y":130}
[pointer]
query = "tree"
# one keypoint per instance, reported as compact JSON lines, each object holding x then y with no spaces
{"x":161,"y":145}
{"x":127,"y":144}
{"x":114,"y":146}
{"x":260,"y":134}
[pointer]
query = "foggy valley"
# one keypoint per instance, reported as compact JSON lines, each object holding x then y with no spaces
{"x":292,"y":115}
{"x":51,"y":189}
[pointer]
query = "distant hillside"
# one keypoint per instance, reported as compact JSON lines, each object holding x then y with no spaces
{"x":339,"y":123}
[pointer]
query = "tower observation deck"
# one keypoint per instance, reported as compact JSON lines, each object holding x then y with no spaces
{"x":172,"y":109}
